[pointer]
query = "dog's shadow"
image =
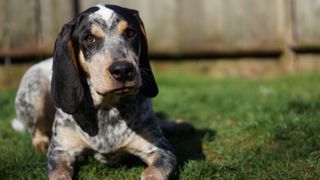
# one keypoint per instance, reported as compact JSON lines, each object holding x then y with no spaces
{"x":188,"y":145}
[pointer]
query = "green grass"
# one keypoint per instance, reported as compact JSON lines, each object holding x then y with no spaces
{"x":246,"y":129}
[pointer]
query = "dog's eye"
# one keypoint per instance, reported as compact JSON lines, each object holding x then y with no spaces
{"x":90,"y":39}
{"x":130,"y":33}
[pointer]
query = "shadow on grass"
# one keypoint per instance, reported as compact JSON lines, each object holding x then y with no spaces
{"x":188,"y":146}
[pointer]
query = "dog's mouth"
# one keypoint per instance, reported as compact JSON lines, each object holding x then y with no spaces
{"x":125,"y":90}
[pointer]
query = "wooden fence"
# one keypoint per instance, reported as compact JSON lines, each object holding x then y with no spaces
{"x":175,"y":27}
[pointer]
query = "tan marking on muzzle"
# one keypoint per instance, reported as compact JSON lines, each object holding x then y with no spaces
{"x":83,"y":63}
{"x":97,"y":70}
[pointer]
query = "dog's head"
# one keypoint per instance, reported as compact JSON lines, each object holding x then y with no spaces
{"x":105,"y":47}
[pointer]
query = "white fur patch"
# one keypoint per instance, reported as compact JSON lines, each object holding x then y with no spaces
{"x":103,"y":12}
{"x":18,"y":125}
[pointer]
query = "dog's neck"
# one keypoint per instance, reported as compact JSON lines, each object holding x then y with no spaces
{"x":90,"y":118}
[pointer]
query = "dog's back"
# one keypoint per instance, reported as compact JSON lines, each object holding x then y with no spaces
{"x":33,"y":104}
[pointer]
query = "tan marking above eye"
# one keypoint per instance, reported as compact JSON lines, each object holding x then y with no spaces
{"x":96,"y":31}
{"x":122,"y":26}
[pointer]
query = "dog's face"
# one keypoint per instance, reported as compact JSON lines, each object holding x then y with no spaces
{"x":109,"y":51}
{"x":107,"y":45}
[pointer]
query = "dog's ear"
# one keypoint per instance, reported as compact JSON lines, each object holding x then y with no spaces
{"x":66,"y":89}
{"x":149,"y":86}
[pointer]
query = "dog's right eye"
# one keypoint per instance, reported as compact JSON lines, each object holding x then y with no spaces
{"x":89,"y":39}
{"x":130,"y":33}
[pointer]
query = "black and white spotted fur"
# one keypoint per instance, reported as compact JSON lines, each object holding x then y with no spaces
{"x":100,"y":85}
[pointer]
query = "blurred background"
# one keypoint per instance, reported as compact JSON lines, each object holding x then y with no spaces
{"x":230,"y":37}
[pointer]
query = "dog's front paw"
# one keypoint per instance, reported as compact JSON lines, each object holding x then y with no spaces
{"x":40,"y":144}
{"x":152,"y":173}
{"x":60,"y":175}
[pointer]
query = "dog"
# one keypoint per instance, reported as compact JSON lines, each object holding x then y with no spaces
{"x":94,"y":96}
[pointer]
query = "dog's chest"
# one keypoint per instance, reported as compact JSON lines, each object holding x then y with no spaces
{"x":104,"y":131}
{"x":112,"y":131}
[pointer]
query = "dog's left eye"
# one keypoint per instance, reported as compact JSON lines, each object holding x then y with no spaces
{"x":130,"y":33}
{"x":90,"y":39}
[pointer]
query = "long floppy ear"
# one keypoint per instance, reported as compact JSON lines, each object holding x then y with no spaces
{"x":66,"y":88}
{"x":149,"y":86}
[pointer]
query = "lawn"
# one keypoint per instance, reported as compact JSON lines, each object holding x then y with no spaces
{"x":262,"y":128}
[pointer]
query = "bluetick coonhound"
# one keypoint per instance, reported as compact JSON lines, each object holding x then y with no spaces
{"x":96,"y":97}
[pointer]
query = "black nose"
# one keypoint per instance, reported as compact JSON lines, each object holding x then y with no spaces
{"x":122,"y":71}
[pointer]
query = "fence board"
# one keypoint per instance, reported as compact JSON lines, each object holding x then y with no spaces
{"x":306,"y":23}
{"x":54,"y":14}
{"x":31,"y":29}
{"x":19,"y":30}
{"x":2,"y":24}
{"x":21,"y":25}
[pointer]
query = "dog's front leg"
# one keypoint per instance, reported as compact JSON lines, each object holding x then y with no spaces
{"x":66,"y":145}
{"x":162,"y":165}
{"x":59,"y":164}
{"x":156,"y":152}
